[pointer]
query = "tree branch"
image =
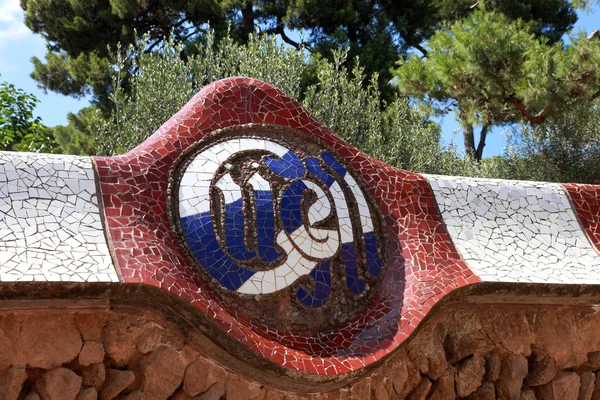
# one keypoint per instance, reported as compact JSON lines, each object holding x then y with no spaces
{"x":594,"y":96}
{"x":270,"y":31}
{"x":194,"y":32}
{"x":534,"y":119}
{"x":153,"y":45}
{"x":410,"y":43}
{"x":177,"y":25}
{"x":289,"y":41}
{"x":278,"y":30}
{"x":422,"y":49}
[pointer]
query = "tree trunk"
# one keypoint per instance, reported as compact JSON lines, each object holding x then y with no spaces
{"x":248,"y":20}
{"x":482,"y":136}
{"x":469,"y":139}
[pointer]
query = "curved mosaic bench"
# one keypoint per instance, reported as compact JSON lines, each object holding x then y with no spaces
{"x":285,"y":245}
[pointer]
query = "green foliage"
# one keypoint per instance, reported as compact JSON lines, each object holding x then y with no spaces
{"x":416,"y":20}
{"x":78,"y":32}
{"x":347,"y":102}
{"x":565,"y":150}
{"x":550,"y":19}
{"x":499,"y":64}
{"x":78,"y":76}
{"x":163,"y":82}
{"x":19,"y":129}
{"x":392,"y":132}
{"x":77,"y":136}
{"x":494,"y":71}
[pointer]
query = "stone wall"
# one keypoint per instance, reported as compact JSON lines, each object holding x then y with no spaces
{"x":465,"y":350}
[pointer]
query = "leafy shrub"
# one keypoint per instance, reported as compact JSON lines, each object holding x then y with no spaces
{"x":395,"y":132}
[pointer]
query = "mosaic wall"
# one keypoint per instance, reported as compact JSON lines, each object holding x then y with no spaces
{"x":50,"y":227}
{"x":516,"y":231}
{"x":297,"y":247}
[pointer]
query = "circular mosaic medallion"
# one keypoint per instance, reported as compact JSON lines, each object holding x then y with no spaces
{"x":278,"y":227}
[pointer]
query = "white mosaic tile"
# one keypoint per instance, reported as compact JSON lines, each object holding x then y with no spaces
{"x":516,"y":231}
{"x":50,"y":227}
{"x":295,"y":266}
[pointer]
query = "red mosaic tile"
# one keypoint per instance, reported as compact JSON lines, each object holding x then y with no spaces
{"x":422,"y":264}
{"x":586,"y":202}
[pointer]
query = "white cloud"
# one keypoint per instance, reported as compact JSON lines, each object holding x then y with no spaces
{"x":11,"y":22}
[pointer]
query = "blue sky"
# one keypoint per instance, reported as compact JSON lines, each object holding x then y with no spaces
{"x":18,"y":45}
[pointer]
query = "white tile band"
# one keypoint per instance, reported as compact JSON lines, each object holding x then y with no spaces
{"x":506,"y":231}
{"x":516,"y":231}
{"x":50,"y":226}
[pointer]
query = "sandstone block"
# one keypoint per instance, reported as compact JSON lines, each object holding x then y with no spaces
{"x":189,"y":353}
{"x":443,"y":388}
{"x":94,"y":375}
{"x":87,"y":394}
{"x":593,"y":360}
{"x":541,"y":370}
{"x":380,"y":387}
{"x":359,"y":390}
{"x":564,"y":386}
{"x":588,"y":379}
{"x":556,"y":334}
{"x":119,"y":338}
{"x":466,"y":336}
{"x":90,"y":324}
{"x":586,"y":338}
{"x":421,"y":391}
{"x":154,"y":336}
{"x":11,"y":382}
{"x":484,"y":392}
{"x":469,"y":374}
{"x":414,"y":378}
{"x":404,"y":376}
{"x":91,"y":353}
{"x":9,"y":332}
{"x":275,"y":395}
{"x":215,"y":392}
{"x":512,"y":372}
{"x":508,"y":329}
{"x":527,"y":393}
{"x":151,"y":339}
{"x":180,"y":395}
{"x":59,"y":384}
{"x":397,"y":373}
{"x":596,"y":392}
{"x":47,"y":340}
{"x":200,"y":375}
{"x":492,"y":366}
{"x":427,"y":353}
{"x":162,"y":373}
{"x":116,"y":381}
{"x":137,"y":395}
